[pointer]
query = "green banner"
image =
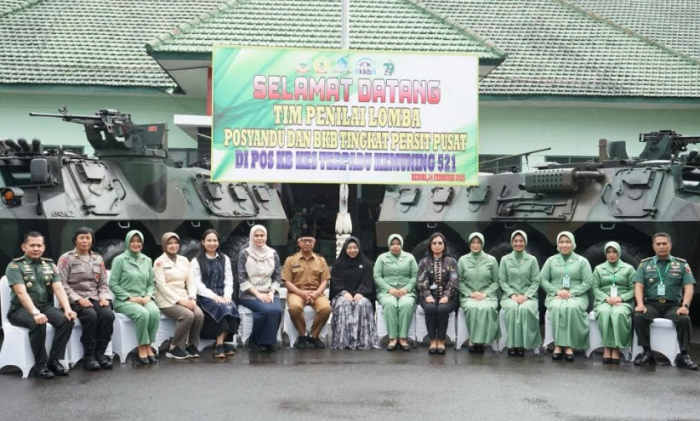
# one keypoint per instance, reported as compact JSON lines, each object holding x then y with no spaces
{"x":334,"y":116}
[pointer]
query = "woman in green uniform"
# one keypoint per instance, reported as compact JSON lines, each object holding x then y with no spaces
{"x":133,"y":286}
{"x":566,"y":278}
{"x":395,"y":276}
{"x":518,"y":276}
{"x":478,"y":288}
{"x":613,"y":289}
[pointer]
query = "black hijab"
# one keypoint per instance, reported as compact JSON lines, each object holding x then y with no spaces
{"x":352,"y":275}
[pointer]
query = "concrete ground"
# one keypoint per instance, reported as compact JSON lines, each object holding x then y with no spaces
{"x":324,"y":384}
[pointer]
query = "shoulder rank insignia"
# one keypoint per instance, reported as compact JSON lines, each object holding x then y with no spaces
{"x":647,"y":259}
{"x":18,"y":259}
{"x":680,"y":259}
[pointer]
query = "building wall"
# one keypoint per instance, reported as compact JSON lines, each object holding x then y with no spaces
{"x":15,"y":121}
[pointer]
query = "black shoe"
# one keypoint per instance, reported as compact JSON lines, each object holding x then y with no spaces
{"x":569,"y":357}
{"x":229,"y":349}
{"x":521,"y":352}
{"x":645,"y":359}
{"x":432,"y":351}
{"x":301,"y":343}
{"x":615,"y":361}
{"x":607,"y":360}
{"x":57,"y":369}
{"x":90,"y":363}
{"x":472,"y":349}
{"x":391,"y":348}
{"x":269,"y":348}
{"x":684,"y":361}
{"x":177,"y":353}
{"x":255,"y":347}
{"x":316,"y":342}
{"x":104,"y":361}
{"x":441,"y":350}
{"x":512,"y":352}
{"x":42,"y":371}
{"x":556,"y":356}
{"x":193,"y":351}
{"x":219,"y":351}
{"x":143,"y":361}
{"x":405,"y":348}
{"x":479,"y":349}
{"x":153,"y":359}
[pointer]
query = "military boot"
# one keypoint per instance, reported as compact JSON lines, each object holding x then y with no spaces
{"x":103,"y":360}
{"x":89,"y":361}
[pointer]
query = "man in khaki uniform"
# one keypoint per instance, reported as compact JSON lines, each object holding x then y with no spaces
{"x":663,"y":288}
{"x":31,"y":278}
{"x":306,"y":274}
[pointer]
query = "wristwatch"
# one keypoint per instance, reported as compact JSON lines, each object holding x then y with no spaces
{"x":36,"y":312}
{"x":686,"y":306}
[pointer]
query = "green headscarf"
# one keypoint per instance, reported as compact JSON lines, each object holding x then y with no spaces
{"x":129,"y":236}
{"x":480,"y":237}
{"x":615,"y":245}
{"x":571,"y":238}
{"x":395,"y":236}
{"x":516,"y":232}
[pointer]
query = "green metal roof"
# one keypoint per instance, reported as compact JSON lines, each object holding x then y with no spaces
{"x":374,"y":25}
{"x":675,"y":23}
{"x":557,"y":48}
{"x":88,"y":42}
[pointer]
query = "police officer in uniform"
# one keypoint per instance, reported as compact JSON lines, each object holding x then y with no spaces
{"x":86,"y":283}
{"x":663,"y":288}
{"x":30,"y":277}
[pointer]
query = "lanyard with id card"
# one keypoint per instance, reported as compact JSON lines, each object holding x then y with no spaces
{"x":567,"y":278}
{"x":613,"y":287}
{"x":661,"y":288}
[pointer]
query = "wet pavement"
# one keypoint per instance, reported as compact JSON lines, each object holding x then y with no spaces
{"x":324,"y":384}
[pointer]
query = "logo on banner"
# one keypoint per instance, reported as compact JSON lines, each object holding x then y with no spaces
{"x":321,"y":66}
{"x":341,"y":67}
{"x":303,"y":65}
{"x":365,"y":66}
{"x":389,"y":67}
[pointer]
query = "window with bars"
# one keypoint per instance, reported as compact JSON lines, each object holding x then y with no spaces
{"x":504,"y":163}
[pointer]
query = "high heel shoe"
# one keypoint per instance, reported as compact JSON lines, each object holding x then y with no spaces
{"x":512,"y":352}
{"x":432,"y":350}
{"x":406,"y":348}
{"x":143,"y":361}
{"x":556,"y":356}
{"x":569,"y":357}
{"x":521,"y":352}
{"x":472,"y":349}
{"x":441,"y":350}
{"x":391,"y":348}
{"x":606,"y":360}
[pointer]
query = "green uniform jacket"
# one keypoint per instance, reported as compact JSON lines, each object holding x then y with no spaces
{"x":37,"y":276}
{"x":603,"y":280}
{"x":519,"y":275}
{"x":580,"y":274}
{"x":395,"y":272}
{"x":675,"y":273}
{"x":478,"y":273}
{"x":131,"y":277}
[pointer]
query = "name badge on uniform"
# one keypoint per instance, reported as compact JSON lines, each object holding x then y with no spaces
{"x":661,"y":289}
{"x":567,"y":281}
{"x":613,"y":291}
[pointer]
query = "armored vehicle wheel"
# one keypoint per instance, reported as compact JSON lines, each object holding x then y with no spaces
{"x":420,"y":250}
{"x":109,"y":249}
{"x":189,"y":247}
{"x":630,"y":254}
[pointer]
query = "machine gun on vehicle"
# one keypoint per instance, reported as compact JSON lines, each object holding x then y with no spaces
{"x":665,"y":144}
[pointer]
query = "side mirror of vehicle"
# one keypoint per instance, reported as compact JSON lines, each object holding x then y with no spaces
{"x":39,"y":171}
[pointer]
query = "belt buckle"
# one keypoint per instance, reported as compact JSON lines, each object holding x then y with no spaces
{"x":662,"y":300}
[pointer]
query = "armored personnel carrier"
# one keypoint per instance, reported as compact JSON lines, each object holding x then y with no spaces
{"x":617,"y":198}
{"x":127,"y":185}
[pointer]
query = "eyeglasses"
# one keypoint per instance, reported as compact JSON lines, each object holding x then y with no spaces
{"x":307,"y":240}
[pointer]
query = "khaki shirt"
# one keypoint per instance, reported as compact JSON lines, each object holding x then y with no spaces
{"x":36,"y":275}
{"x":174,"y":281}
{"x":84,"y":276}
{"x":305,"y":273}
{"x":675,"y":272}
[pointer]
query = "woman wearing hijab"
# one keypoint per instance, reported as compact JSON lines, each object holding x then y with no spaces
{"x":176,"y":296}
{"x":566,"y":278}
{"x":211,"y":271}
{"x":395,"y":277}
{"x":259,"y":275}
{"x":478,"y":287}
{"x":613,"y":289}
{"x":518,"y":277}
{"x":131,"y":282}
{"x":437,"y":284}
{"x":353,"y":295}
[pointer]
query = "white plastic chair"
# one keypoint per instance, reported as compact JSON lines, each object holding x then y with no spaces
{"x":463,"y":333}
{"x":309,"y":314}
{"x":381,"y":324}
{"x":422,"y":329}
{"x":548,"y":334}
{"x":166,"y":329}
{"x":596,"y":340}
{"x":663,"y":340}
{"x":16,"y":350}
{"x":246,"y":328}
{"x":502,"y":342}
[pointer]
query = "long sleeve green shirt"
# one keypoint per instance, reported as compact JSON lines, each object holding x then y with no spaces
{"x":603,"y":276}
{"x":132,"y":277}
{"x":519,"y":273}
{"x":395,"y":272}
{"x":478,"y":273}
{"x":555,"y":268}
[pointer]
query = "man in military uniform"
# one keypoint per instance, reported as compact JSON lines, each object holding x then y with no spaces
{"x":306,"y":275}
{"x":32,"y":307}
{"x":86,"y":283}
{"x":663,"y":289}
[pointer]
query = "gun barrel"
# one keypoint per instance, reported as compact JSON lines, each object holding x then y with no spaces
{"x":66,"y":117}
